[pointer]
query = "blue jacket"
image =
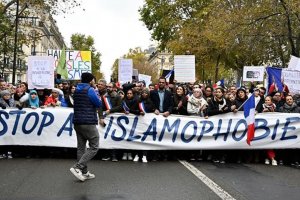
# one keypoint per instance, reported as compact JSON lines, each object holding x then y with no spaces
{"x":85,"y":104}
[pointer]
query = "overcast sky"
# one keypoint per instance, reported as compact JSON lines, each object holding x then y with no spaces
{"x":114,"y":24}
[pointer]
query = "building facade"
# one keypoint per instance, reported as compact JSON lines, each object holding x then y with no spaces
{"x":37,"y":32}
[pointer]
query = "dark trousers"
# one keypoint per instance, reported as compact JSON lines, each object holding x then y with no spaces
{"x":86,"y":133}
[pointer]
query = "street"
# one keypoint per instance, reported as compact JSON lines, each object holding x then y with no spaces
{"x":39,"y":178}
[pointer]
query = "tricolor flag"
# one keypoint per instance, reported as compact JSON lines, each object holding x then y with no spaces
{"x":125,"y":107}
{"x":107,"y":102}
{"x":142,"y":107}
{"x":249,"y":112}
{"x":170,"y":73}
{"x":220,"y":83}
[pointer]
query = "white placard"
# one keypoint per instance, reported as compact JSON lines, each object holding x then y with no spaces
{"x":184,"y":67}
{"x":40,"y":72}
{"x":125,"y":70}
{"x":146,"y":78}
{"x":294,"y":63}
{"x":292,"y":79}
{"x":253,"y":73}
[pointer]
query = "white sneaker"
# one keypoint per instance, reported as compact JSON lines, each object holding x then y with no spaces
{"x":274,"y":162}
{"x":267,"y":162}
{"x":130,"y":156}
{"x":77,"y":173}
{"x":89,"y":175}
{"x":9,"y":155}
{"x":136,"y":158}
{"x":124,"y":156}
{"x":144,"y":159}
{"x":2,"y":156}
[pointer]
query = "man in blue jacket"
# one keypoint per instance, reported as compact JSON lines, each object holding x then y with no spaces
{"x":86,"y":105}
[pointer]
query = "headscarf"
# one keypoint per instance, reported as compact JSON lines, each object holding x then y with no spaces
{"x":34,"y":102}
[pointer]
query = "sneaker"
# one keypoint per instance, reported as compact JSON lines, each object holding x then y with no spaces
{"x":274,"y":162}
{"x":280,"y":162}
{"x":136,"y":158}
{"x":216,"y":161}
{"x":114,"y":159}
{"x":209,"y":157}
{"x":199,"y":159}
{"x":77,"y":173}
{"x":124,"y":156}
{"x":2,"y":156}
{"x":89,"y":175}
{"x":144,"y":159}
{"x":267,"y":162}
{"x":130,"y":156}
{"x":105,"y":158}
{"x":192,"y":159}
{"x":9,"y":155}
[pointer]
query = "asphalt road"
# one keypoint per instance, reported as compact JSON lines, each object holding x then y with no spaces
{"x":125,"y":180}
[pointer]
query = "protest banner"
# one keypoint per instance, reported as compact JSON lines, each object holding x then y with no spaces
{"x":251,"y":73}
{"x":292,"y":80}
{"x":77,"y":62}
{"x":184,"y":68}
{"x":40,"y":72}
{"x":125,"y":70}
{"x":53,"y":127}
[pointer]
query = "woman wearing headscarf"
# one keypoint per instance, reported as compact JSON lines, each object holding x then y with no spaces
{"x":197,"y":105}
{"x":33,"y":101}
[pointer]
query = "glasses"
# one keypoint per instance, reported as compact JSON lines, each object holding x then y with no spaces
{"x":33,"y":94}
{"x":161,"y":82}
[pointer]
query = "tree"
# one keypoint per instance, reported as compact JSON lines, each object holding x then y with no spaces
{"x":226,"y":34}
{"x":86,"y":43}
{"x":140,"y":62}
{"x":53,"y":6}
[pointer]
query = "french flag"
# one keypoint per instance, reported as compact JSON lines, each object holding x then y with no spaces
{"x":249,"y":112}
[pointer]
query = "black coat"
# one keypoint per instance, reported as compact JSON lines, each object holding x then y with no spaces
{"x":167,"y":103}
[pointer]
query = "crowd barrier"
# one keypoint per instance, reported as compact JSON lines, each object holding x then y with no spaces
{"x":53,"y":127}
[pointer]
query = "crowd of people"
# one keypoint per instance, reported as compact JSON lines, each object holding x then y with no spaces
{"x":194,"y":99}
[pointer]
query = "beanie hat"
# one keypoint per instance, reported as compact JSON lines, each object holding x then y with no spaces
{"x":86,"y":77}
{"x":4,"y":92}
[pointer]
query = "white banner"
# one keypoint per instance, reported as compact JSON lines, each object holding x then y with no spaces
{"x":125,"y":70}
{"x":251,"y":73}
{"x":292,"y":79}
{"x":40,"y":72}
{"x":53,"y":127}
{"x":184,"y":68}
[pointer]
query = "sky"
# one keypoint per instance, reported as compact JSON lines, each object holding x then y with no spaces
{"x":114,"y":25}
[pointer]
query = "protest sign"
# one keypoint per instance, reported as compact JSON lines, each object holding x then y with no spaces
{"x":77,"y":62}
{"x":251,"y":73}
{"x":40,"y":72}
{"x":125,"y":70}
{"x":184,"y":67}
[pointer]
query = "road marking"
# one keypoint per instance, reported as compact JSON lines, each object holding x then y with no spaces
{"x":207,"y":181}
